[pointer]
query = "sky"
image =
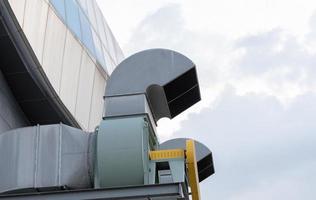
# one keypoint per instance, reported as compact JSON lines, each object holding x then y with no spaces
{"x":256,"y":64}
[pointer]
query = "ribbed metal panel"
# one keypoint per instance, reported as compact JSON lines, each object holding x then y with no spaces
{"x":45,"y":156}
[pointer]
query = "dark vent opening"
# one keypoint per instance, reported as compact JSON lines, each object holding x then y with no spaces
{"x":185,"y":101}
{"x":205,"y":167}
{"x":181,"y":84}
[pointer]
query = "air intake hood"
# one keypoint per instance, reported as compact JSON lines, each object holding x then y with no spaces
{"x":163,"y":82}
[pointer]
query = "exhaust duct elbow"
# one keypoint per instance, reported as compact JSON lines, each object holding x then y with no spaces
{"x":203,"y":155}
{"x":167,"y":79}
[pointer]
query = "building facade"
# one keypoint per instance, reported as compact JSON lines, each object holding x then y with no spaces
{"x":73,"y":51}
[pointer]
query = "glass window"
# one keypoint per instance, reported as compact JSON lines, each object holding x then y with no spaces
{"x":59,"y":6}
{"x":83,"y":5}
{"x":72,"y":16}
{"x":109,"y":62}
{"x":109,"y":44}
{"x":100,"y":26}
{"x":91,"y":14}
{"x":119,"y":53}
{"x":87,"y":38}
{"x":98,"y":49}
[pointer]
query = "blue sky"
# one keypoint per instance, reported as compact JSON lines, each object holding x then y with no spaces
{"x":256,"y":63}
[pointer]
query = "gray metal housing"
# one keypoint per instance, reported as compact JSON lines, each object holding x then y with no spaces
{"x":45,"y":156}
{"x":123,"y":145}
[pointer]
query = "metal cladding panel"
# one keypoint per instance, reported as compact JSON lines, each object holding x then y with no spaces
{"x":36,"y":16}
{"x":54,"y":49}
{"x":44,"y":156}
{"x":70,"y":72}
{"x":85,"y":88}
{"x":18,"y":7}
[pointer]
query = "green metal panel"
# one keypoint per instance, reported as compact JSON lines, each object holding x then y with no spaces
{"x":177,"y":170}
{"x":152,"y":172}
{"x":122,"y":152}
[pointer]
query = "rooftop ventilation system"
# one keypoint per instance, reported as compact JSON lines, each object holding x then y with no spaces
{"x":123,"y":158}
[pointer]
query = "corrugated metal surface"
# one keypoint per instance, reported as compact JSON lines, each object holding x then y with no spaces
{"x":42,"y":156}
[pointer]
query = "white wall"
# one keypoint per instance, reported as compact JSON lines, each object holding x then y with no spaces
{"x":34,"y":24}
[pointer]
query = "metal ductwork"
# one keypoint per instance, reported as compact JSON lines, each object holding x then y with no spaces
{"x":46,"y":156}
{"x":142,"y":89}
{"x":203,"y":155}
{"x":167,"y":79}
{"x":122,"y":159}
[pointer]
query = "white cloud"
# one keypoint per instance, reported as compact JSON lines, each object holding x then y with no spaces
{"x":225,"y":17}
{"x":259,"y":147}
{"x":274,"y":62}
{"x":242,"y":17}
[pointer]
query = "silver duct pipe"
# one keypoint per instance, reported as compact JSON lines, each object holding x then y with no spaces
{"x":159,"y":82}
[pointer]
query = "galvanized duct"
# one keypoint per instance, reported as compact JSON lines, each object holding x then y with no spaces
{"x":166,"y":78}
{"x":46,"y":156}
{"x":203,"y":155}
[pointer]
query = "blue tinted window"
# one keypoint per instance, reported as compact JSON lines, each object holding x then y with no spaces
{"x":83,"y":5}
{"x":72,"y":16}
{"x":59,"y":6}
{"x":98,"y":49}
{"x":86,"y":33}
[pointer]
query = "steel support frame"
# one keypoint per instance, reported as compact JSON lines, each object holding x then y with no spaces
{"x":159,"y":191}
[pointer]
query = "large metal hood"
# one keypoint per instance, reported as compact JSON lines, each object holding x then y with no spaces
{"x":168,"y":80}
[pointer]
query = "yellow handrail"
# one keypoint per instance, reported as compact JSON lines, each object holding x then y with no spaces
{"x":166,"y":154}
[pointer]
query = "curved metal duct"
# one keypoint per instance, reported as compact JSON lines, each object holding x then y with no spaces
{"x":203,"y":155}
{"x":167,"y":79}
